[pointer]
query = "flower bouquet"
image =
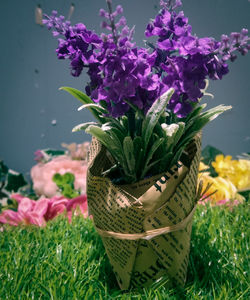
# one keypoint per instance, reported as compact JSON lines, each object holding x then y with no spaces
{"x":145,"y":151}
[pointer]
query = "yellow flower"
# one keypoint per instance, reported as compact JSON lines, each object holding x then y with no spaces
{"x":237,"y":171}
{"x":221,"y":188}
{"x":242,"y":174}
{"x":223,"y":165}
{"x":203,"y":167}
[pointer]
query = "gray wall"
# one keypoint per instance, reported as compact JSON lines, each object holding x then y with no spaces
{"x":31,"y":75}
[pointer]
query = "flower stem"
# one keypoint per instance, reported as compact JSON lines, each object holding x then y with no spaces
{"x":112,"y":23}
{"x":131,"y":122}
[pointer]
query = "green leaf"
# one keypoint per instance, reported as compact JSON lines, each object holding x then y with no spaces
{"x":131,"y":123}
{"x":196,"y":112}
{"x":138,"y":126}
{"x":201,"y":121}
{"x":151,"y":167}
{"x":151,"y":152}
{"x":114,"y":132}
{"x":68,"y":178}
{"x":57,"y":178}
{"x":158,"y":130}
{"x":128,"y":149}
{"x":83,"y":126}
{"x":124,"y":123}
{"x":116,"y":124}
{"x":135,"y":108}
{"x":139,"y":162}
{"x":179,"y":132}
{"x":165,"y":162}
{"x":52,"y":152}
{"x":3,"y":171}
{"x":101,"y":135}
{"x":138,"y":144}
{"x":213,"y":113}
{"x":115,"y":135}
{"x":97,"y":108}
{"x":139,"y":154}
{"x":177,"y":156}
{"x":163,"y":117}
{"x":83,"y":98}
{"x":194,"y":116}
{"x":14,"y":181}
{"x":77,"y":94}
{"x":65,"y":183}
{"x":107,"y":141}
{"x":3,"y":168}
{"x":153,"y":115}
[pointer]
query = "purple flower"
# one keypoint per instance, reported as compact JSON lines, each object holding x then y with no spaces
{"x":122,"y":73}
{"x":78,"y":45}
{"x":39,"y":156}
{"x":182,"y":109}
{"x":238,"y":41}
{"x":170,"y":4}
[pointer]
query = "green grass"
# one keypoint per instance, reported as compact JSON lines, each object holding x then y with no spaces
{"x":63,"y":261}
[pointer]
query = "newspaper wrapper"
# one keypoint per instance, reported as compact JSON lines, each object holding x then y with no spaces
{"x":145,"y":227}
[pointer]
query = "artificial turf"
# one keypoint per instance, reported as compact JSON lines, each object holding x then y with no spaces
{"x":68,"y":261}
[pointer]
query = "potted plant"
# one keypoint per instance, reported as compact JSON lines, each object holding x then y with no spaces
{"x":144,"y":157}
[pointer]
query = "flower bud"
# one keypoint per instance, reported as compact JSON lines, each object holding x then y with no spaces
{"x":102,"y":13}
{"x":224,"y":38}
{"x":119,"y":9}
{"x":244,"y":31}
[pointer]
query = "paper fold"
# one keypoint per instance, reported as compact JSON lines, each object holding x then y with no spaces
{"x":151,"y":204}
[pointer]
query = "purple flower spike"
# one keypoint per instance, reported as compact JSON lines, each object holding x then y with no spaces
{"x":122,"y":72}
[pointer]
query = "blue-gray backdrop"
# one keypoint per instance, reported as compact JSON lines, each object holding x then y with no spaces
{"x":35,"y":115}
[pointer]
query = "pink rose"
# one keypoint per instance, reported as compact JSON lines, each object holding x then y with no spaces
{"x":42,"y":175}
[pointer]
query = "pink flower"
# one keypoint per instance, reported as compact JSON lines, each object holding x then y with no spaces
{"x":42,"y":175}
{"x":81,"y":202}
{"x":29,"y":212}
{"x":10,"y":217}
{"x":40,"y":211}
{"x":77,"y":151}
{"x":56,"y":206}
{"x":224,"y":202}
{"x":39,"y":156}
